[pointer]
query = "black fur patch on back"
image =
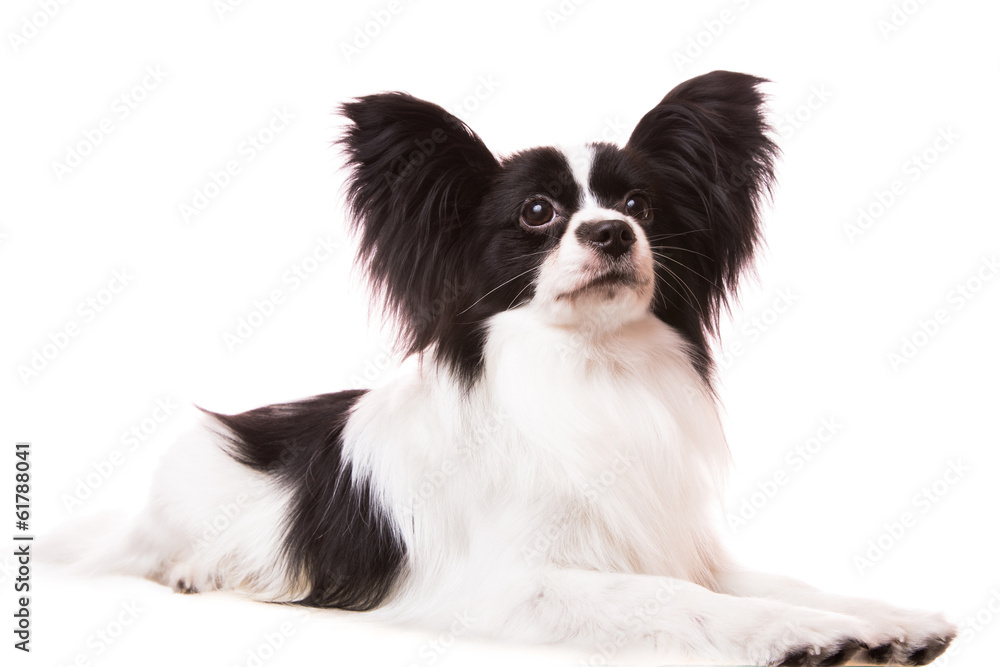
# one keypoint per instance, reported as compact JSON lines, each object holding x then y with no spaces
{"x":336,"y":534}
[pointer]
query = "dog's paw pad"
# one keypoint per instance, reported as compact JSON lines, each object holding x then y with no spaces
{"x":831,"y":656}
{"x":839,"y":655}
{"x":880,"y":655}
{"x":183,"y":587}
{"x":796,"y":658}
{"x":925,"y":655}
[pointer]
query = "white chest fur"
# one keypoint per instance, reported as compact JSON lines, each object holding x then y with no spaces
{"x":621,"y":443}
{"x":602,"y":451}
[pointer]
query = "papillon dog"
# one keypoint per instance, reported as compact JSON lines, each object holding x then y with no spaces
{"x":549,"y":458}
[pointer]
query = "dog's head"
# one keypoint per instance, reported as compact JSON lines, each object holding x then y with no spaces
{"x":592,"y":237}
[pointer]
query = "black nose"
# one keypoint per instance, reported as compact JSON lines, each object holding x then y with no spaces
{"x":612,"y":237}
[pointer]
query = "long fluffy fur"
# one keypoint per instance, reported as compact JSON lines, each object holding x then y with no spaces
{"x":548,"y":463}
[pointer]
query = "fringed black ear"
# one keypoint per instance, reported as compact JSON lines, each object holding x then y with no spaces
{"x":417,"y":176}
{"x":708,"y":143}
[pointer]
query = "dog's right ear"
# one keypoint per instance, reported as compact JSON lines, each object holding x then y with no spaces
{"x":418,"y":175}
{"x":710,"y":142}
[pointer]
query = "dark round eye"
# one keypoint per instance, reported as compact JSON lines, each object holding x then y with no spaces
{"x":639,"y":207}
{"x":537,"y":212}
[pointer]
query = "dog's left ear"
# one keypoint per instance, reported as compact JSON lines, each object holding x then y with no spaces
{"x":418,"y":175}
{"x":708,"y":143}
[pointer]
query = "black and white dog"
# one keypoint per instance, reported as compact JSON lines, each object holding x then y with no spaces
{"x":549,"y":460}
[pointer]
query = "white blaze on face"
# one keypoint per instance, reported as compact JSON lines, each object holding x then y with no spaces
{"x":570,"y":290}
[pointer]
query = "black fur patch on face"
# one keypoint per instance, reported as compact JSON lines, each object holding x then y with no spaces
{"x":504,"y":256}
{"x":336,"y":534}
{"x":439,"y":220}
{"x":681,"y":293}
{"x":617,"y":172}
{"x":439,"y":216}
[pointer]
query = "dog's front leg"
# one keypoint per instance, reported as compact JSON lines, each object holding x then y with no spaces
{"x":609,"y":611}
{"x":917,"y":637}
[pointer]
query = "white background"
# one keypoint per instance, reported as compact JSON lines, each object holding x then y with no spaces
{"x":855,"y":99}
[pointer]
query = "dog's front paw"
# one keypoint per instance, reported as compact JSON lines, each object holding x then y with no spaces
{"x":187,"y":578}
{"x":822,"y":656}
{"x":811,"y":638}
{"x":919,"y":638}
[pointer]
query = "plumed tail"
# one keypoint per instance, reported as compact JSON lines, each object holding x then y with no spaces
{"x":106,"y":543}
